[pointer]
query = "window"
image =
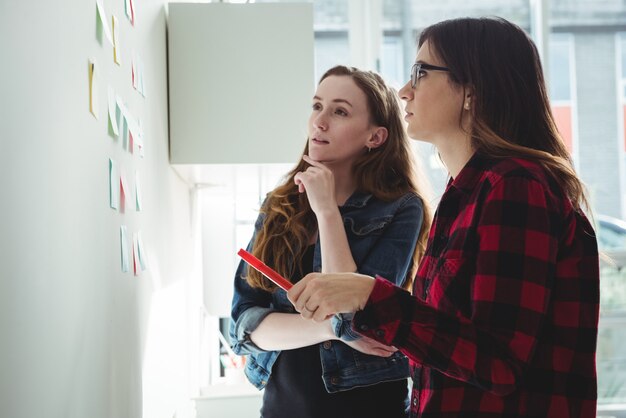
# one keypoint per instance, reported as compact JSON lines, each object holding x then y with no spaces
{"x":586,"y":78}
{"x":561,"y":84}
{"x":583,"y":35}
{"x":621,"y":83}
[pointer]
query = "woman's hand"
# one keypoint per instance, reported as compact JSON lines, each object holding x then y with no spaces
{"x":319,"y":296}
{"x":367,"y":345}
{"x":319,"y":184}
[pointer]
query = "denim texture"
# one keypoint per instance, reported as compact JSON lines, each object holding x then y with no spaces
{"x":382,"y":238}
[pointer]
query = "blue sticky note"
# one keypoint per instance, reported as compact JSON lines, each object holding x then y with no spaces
{"x":114,"y":185}
{"x":124,"y":248}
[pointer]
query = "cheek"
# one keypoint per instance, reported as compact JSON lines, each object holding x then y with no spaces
{"x":310,"y":123}
{"x":437,"y":108}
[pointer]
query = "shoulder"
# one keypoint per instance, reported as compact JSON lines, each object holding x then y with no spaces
{"x":512,"y":169}
{"x":409,"y":201}
{"x":519,"y":179}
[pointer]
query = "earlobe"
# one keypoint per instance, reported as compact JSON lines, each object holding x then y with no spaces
{"x":469,"y":95}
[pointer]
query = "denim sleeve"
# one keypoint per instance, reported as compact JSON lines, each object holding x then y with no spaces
{"x":391,"y":257}
{"x":249,"y":307}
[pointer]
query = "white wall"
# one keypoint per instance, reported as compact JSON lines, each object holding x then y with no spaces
{"x":79,"y":338}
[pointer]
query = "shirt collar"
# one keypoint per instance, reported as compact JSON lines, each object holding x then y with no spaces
{"x":471,"y":174}
{"x":358,"y":200}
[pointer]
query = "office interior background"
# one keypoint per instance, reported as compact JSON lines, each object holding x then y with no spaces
{"x":82,"y":337}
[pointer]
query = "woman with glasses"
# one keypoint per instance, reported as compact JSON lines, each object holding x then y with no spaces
{"x":351,"y":204}
{"x":503,"y":318}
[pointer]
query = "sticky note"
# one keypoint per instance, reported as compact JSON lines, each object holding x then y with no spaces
{"x":93,"y":88}
{"x":114,"y":185}
{"x":124,"y":248}
{"x":143,"y":258}
{"x":116,"y":40}
{"x":113,"y":122}
{"x":103,"y":20}
{"x":138,"y":198}
{"x":123,"y":191}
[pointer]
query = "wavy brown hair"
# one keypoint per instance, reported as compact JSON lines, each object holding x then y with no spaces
{"x":387,"y":172}
{"x":511,"y":115}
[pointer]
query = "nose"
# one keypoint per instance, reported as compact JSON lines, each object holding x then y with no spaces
{"x":406,"y":92}
{"x":320,"y":122}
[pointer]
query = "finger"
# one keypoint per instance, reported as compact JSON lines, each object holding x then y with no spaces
{"x":297,"y":179}
{"x":383,"y":353}
{"x":386,"y":348}
{"x":321,"y":313}
{"x":296,"y":290}
{"x":306,"y":313}
{"x":300,"y":186}
{"x":313,"y":162}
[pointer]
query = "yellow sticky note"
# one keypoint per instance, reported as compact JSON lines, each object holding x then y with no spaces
{"x":116,"y":40}
{"x":93,"y":88}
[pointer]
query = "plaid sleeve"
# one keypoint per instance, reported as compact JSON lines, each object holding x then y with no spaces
{"x":511,"y":273}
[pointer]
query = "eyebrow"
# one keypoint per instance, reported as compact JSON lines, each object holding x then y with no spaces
{"x":336,"y":100}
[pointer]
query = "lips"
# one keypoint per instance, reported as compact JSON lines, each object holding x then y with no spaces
{"x":319,"y":141}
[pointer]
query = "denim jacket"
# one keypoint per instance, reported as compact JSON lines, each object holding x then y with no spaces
{"x":382,"y":238}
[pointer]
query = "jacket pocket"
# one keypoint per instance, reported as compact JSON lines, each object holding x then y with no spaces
{"x":363,"y":227}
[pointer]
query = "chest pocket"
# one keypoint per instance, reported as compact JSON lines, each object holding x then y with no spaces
{"x":365,"y":227}
{"x":450,"y":288}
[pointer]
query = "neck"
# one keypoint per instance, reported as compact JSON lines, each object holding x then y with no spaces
{"x":455,"y":152}
{"x":344,"y":183}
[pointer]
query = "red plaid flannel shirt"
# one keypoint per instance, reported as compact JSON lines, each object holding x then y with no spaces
{"x":503,"y":319}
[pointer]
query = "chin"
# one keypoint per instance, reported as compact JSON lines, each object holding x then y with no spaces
{"x":416,"y":136}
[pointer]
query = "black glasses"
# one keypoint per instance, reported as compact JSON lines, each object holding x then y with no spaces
{"x":419,"y":66}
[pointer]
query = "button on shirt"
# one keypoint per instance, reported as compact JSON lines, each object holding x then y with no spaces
{"x":503,"y":318}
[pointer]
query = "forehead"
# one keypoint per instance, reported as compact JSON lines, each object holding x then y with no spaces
{"x":340,"y":88}
{"x":427,"y":55}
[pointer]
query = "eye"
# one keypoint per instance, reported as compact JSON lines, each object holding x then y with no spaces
{"x":421,"y":73}
{"x":341,"y":112}
{"x":317,"y":106}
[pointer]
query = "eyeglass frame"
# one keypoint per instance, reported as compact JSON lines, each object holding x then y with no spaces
{"x":415,"y":69}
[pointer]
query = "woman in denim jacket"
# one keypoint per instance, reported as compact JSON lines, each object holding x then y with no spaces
{"x":351,"y":204}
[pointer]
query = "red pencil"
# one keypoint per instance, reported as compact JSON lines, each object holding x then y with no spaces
{"x":265,"y":270}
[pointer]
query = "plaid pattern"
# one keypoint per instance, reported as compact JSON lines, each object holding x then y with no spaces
{"x":504,"y":317}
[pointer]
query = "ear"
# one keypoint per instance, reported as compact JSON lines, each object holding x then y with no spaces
{"x":379,"y":136}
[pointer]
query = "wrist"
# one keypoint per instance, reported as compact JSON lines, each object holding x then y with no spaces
{"x":327,"y":213}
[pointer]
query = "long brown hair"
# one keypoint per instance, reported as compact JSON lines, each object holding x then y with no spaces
{"x":511,"y":114}
{"x":387,"y":172}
